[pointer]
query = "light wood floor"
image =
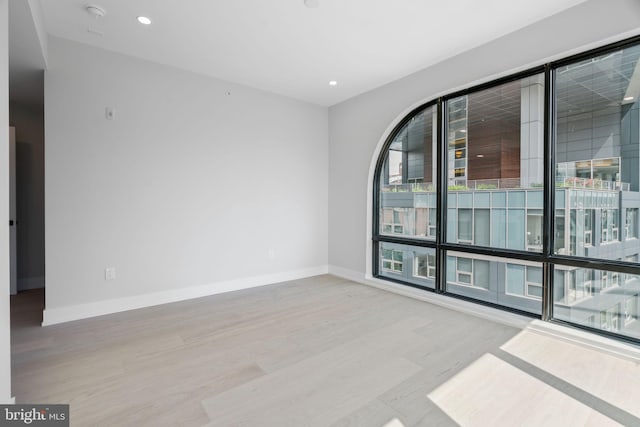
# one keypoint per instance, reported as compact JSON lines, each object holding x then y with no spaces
{"x":315,"y":352}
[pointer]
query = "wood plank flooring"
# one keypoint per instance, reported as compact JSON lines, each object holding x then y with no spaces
{"x":321,"y":351}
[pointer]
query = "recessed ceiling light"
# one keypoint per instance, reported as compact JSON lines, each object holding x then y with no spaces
{"x":312,"y":3}
{"x":480,"y":155}
{"x":144,"y":20}
{"x":333,"y":83}
{"x":628,"y":98}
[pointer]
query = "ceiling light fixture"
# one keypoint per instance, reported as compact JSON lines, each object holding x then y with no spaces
{"x":333,"y":83}
{"x":96,"y":11}
{"x":144,"y":20}
{"x":312,"y":4}
{"x":480,"y":155}
{"x":628,"y":98}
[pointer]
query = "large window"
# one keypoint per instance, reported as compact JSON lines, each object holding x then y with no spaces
{"x":523,"y":193}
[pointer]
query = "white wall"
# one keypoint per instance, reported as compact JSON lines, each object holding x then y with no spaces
{"x":185,"y":192}
{"x":359,"y":126}
{"x":29,"y":123}
{"x":5,"y":332}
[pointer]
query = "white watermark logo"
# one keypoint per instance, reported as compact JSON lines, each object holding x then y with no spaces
{"x":25,"y":416}
{"x":38,"y":415}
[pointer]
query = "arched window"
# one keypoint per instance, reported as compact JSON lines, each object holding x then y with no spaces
{"x":518,"y":193}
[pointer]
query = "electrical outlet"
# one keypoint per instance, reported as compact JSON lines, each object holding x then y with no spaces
{"x":110,"y":273}
{"x":271,"y":253}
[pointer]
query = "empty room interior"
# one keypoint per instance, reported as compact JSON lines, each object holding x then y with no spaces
{"x":321,"y":212}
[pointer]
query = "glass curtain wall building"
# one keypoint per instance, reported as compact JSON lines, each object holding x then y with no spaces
{"x":523,"y":193}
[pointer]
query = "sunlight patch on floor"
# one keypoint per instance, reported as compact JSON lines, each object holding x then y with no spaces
{"x":394,"y":423}
{"x":613,"y":379}
{"x":490,"y":391}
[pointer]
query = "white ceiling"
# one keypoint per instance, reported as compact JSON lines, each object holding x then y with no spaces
{"x":284,"y":47}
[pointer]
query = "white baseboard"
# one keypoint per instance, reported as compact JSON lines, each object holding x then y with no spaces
{"x":346,"y":273}
{"x":29,"y":283}
{"x":566,"y":333}
{"x":586,"y":339}
{"x":53,"y":316}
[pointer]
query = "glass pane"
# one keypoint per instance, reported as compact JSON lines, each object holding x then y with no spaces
{"x":465,"y":264}
{"x":482,"y":199}
{"x":464,"y":278}
{"x":481,"y":273}
{"x":391,"y":259}
{"x":516,"y":199}
{"x":424,"y":264}
{"x":597,"y":150}
{"x":432,"y":223}
{"x":408,"y":263}
{"x":482,"y":228}
{"x":534,"y":291}
{"x":464,"y":225}
{"x":499,"y":228}
{"x":451,"y":269}
{"x":498,"y":132}
{"x":407,"y":180}
{"x":599,"y":299}
{"x":502,"y":281}
{"x":534,"y":275}
{"x":535,"y":199}
{"x":631,"y":223}
{"x":515,"y":282}
{"x":452,"y":215}
{"x":534,"y":229}
{"x":516,"y":232}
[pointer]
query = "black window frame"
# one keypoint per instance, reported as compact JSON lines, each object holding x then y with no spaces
{"x":547,"y":258}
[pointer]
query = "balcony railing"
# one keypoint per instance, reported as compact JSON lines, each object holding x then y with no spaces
{"x":414,"y":187}
{"x":507,"y":184}
{"x":479,"y":184}
{"x":592,"y":184}
{"x":488,"y":184}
